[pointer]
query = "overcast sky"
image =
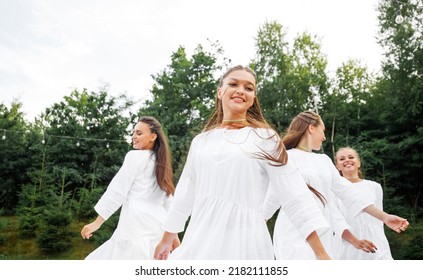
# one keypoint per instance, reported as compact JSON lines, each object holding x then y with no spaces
{"x":50,"y":47}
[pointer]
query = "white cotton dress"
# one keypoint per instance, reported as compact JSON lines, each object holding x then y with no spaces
{"x":364,"y":226}
{"x":319,"y":172}
{"x":222,"y":189}
{"x":143,"y":211}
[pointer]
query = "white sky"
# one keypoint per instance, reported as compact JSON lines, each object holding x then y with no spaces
{"x":50,"y":47}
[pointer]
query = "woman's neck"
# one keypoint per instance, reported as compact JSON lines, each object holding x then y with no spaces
{"x":303,"y":144}
{"x":352,"y":177}
{"x":303,"y":148}
{"x":234,"y":122}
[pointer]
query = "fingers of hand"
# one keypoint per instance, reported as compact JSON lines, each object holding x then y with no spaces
{"x":85,"y":234}
{"x":161,"y":255}
{"x":403,"y":227}
{"x":368,"y":247}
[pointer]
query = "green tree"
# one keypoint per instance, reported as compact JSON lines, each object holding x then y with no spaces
{"x":400,"y":97}
{"x":290,"y":79}
{"x":54,"y":229}
{"x":345,"y":110}
{"x":86,"y":133}
{"x":13,"y":155}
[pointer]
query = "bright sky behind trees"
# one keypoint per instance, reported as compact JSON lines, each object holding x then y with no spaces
{"x":48,"y":48}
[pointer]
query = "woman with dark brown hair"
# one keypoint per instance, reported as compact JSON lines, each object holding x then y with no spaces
{"x":143,"y":187}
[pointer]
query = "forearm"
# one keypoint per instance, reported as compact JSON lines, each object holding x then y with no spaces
{"x":317,"y":246}
{"x":168,"y":237}
{"x":349,"y":237}
{"x":165,"y":246}
{"x":376,"y":212}
{"x":365,"y":245}
{"x":396,"y":223}
{"x":99,"y":221}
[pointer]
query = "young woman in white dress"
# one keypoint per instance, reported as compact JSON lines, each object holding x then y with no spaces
{"x":362,"y":225}
{"x":143,"y":187}
{"x":225,"y":180}
{"x":305,"y":134}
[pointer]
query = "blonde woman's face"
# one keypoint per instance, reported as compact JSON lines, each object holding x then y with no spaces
{"x":347,"y":162}
{"x":237,"y":92}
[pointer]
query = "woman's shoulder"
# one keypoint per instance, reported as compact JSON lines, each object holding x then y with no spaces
{"x":372,"y":183}
{"x":324,"y":158}
{"x":264,"y":135}
{"x":265,"y":131}
{"x":138,"y":155}
{"x":202,"y":135}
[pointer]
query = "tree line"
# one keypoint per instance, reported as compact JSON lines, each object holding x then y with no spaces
{"x":54,"y":169}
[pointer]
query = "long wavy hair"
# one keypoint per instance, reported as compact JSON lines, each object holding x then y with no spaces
{"x":163,"y":168}
{"x":254,"y":117}
{"x":295,"y":132}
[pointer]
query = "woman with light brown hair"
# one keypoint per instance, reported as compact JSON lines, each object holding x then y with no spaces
{"x":225,"y":179}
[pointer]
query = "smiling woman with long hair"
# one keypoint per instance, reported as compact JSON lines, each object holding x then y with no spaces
{"x":362,"y":225}
{"x":143,"y":187}
{"x":225,"y":179}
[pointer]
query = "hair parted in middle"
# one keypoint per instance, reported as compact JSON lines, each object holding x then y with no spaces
{"x":254,"y":117}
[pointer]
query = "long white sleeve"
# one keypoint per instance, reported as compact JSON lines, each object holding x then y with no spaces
{"x":339,"y":223}
{"x":183,"y":200}
{"x":271,"y":203}
{"x":121,"y":184}
{"x":296,"y":199}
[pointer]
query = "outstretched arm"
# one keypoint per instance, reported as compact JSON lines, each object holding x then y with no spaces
{"x":394,"y":222}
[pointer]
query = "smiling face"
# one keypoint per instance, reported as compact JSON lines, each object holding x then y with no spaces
{"x":143,"y":138}
{"x":348,"y":162}
{"x":237,"y":94}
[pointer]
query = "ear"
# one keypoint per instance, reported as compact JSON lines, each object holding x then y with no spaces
{"x":220,"y":93}
{"x":153,"y":137}
{"x":310,"y":128}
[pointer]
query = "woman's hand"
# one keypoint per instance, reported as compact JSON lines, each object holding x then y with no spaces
{"x":365,"y":245}
{"x":87,"y":230}
{"x":396,"y":223}
{"x":165,"y":246}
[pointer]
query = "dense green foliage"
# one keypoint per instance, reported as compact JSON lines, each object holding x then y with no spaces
{"x":54,"y":170}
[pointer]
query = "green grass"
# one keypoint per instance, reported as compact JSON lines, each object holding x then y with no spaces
{"x":15,"y":248}
{"x":404,"y":246}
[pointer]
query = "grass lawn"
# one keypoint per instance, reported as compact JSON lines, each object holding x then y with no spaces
{"x":12,"y":247}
